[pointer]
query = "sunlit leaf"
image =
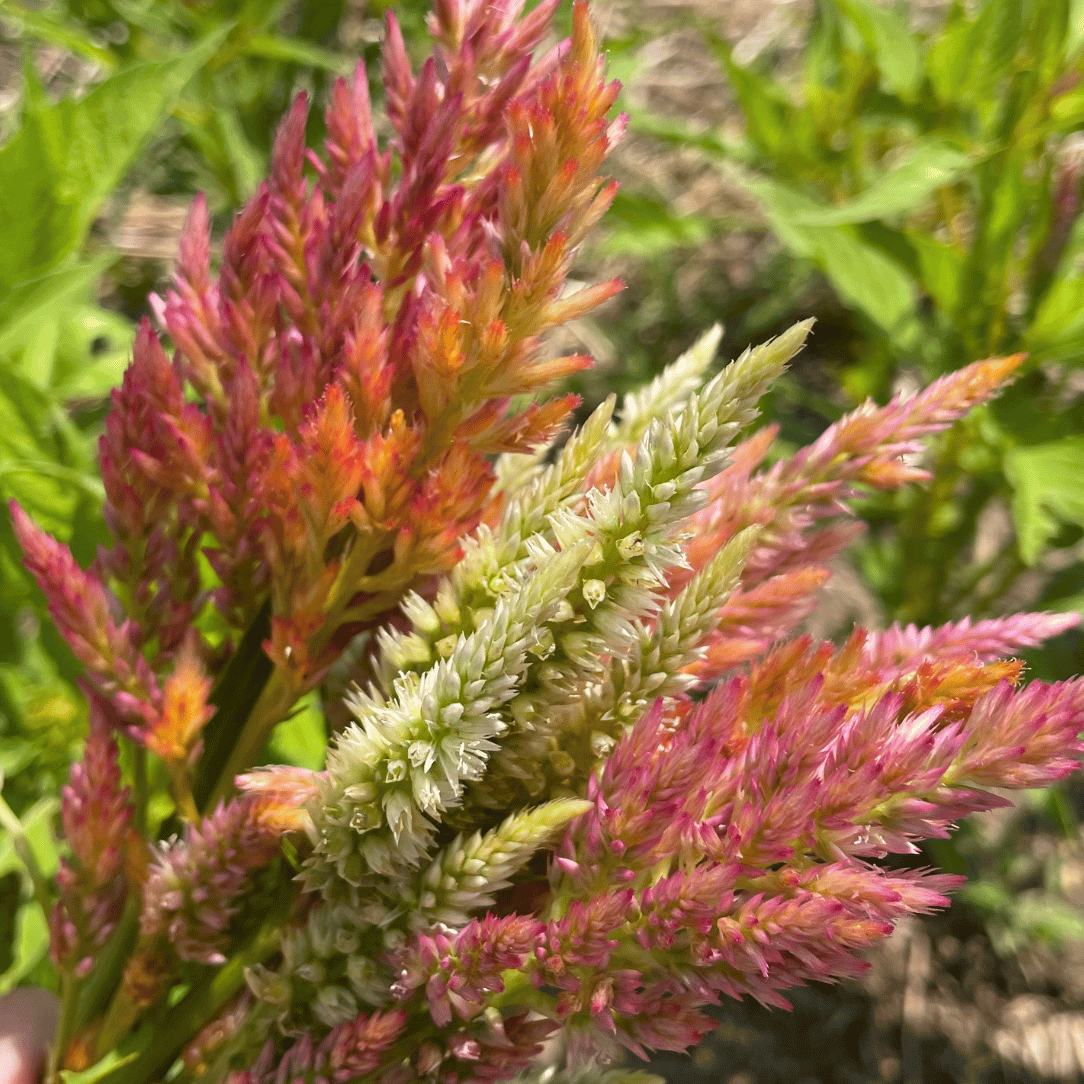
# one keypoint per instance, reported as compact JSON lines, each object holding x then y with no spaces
{"x":1048,"y":490}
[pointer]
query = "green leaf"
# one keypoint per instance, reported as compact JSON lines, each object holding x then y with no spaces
{"x":1057,"y":331}
{"x":274,"y":47}
{"x":905,"y":187}
{"x":11,"y":888}
{"x":100,"y":1070}
{"x":1047,"y":918}
{"x":29,"y":947}
{"x":994,"y":40}
{"x":94,"y":346}
{"x":31,"y":939}
{"x":864,"y":277}
{"x":15,"y":754}
{"x":38,"y":825}
{"x":941,"y":270}
{"x":90,"y":484}
{"x":46,"y":27}
{"x":1074,"y":39}
{"x":35,"y":300}
{"x":45,"y":456}
{"x":868,"y":280}
{"x":301,"y":739}
{"x":643,"y":227}
{"x":1048,"y":490}
{"x":896,"y":49}
{"x":64,"y":161}
{"x":247,"y":162}
{"x":683,"y":133}
{"x":1068,"y":110}
{"x":949,"y":59}
{"x":768,"y":113}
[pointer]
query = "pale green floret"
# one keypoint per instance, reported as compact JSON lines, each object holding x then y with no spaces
{"x":676,"y":383}
{"x":494,"y":564}
{"x":526,"y":513}
{"x":334,"y":1005}
{"x":654,"y":665}
{"x":467,"y":875}
{"x":635,"y":531}
{"x":405,"y":760}
{"x":546,"y":614}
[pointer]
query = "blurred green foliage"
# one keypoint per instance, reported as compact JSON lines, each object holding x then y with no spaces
{"x":933,"y":181}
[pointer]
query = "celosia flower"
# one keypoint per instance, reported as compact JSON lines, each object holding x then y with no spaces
{"x":197,"y":884}
{"x":93,"y":883}
{"x":324,"y":440}
{"x":349,"y":1051}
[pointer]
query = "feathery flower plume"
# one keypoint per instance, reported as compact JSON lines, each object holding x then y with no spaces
{"x":197,"y":884}
{"x":93,"y":882}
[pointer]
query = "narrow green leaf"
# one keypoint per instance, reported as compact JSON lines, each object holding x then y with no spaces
{"x":906,"y":187}
{"x":248,"y":164}
{"x":1074,"y":39}
{"x":1057,"y":331}
{"x":641,"y":226}
{"x":11,"y":888}
{"x":275,"y":47}
{"x":765,"y":106}
{"x":46,"y":27}
{"x":38,"y":824}
{"x":15,"y":754}
{"x":994,"y":40}
{"x":1048,"y":490}
{"x":1068,"y":110}
{"x":681,"y":133}
{"x":941,"y":270}
{"x":90,"y":484}
{"x":64,"y":161}
{"x":30,"y":946}
{"x":895,"y":48}
{"x":949,"y":60}
{"x":1047,"y":918}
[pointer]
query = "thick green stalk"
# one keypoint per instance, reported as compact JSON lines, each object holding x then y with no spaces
{"x":146,"y":1056}
{"x":234,"y":697}
{"x":69,"y":1004}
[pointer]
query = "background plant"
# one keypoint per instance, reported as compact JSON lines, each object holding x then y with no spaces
{"x":934,"y":180}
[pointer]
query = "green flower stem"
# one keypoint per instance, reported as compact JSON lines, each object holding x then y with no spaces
{"x":147,"y":1055}
{"x":139,"y":787}
{"x":271,"y":706}
{"x":101,"y":984}
{"x":234,"y":698}
{"x":69,"y":1004}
